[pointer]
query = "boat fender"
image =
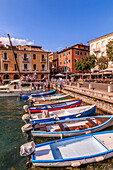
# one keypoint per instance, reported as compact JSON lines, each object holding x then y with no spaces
{"x":75,"y":164}
{"x":99,"y":158}
{"x":87,"y":132}
{"x":26,"y":118}
{"x":61,"y":136}
{"x":78,"y":115}
{"x":25,"y":107}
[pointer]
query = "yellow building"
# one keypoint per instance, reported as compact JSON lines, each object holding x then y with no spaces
{"x":31,"y":60}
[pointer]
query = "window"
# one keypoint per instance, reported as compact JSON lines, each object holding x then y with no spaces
{"x":77,"y":52}
{"x":34,"y":66}
{"x":5,"y":67}
{"x":84,"y":48}
{"x":80,"y":53}
{"x":25,"y":49}
{"x":5,"y":56}
{"x":69,"y":61}
{"x":86,"y":53}
{"x":60,"y":69}
{"x":64,"y":61}
{"x":25,"y":66}
{"x":76,"y":60}
{"x":64,"y":69}
{"x":63,"y":54}
{"x":15,"y":67}
{"x":69,"y":68}
{"x":43,"y":67}
{"x":25,"y":57}
{"x":15,"y":55}
{"x":60,"y":62}
{"x":60,"y":55}
{"x":43,"y":57}
{"x":34,"y":56}
{"x":68,"y":53}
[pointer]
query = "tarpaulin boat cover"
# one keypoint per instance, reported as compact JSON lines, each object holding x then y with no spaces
{"x":27,"y":148}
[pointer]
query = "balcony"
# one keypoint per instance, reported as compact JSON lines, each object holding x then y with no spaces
{"x":5,"y":59}
{"x":43,"y":60}
{"x":96,"y":50}
{"x":25,"y":60}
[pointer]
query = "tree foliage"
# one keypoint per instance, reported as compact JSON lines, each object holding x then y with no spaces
{"x":102,"y":63}
{"x":85,"y":64}
{"x":110,"y":50}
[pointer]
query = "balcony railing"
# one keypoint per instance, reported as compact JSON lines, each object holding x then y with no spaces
{"x":5,"y":59}
{"x":25,"y":59}
{"x":43,"y":60}
{"x":96,"y":50}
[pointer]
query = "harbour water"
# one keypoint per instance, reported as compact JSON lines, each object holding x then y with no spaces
{"x":11,"y":138}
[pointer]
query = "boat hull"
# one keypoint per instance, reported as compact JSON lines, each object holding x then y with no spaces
{"x":40,"y":94}
{"x":73,"y":151}
{"x":86,"y":113}
{"x":57,"y":108}
{"x":64,"y":134}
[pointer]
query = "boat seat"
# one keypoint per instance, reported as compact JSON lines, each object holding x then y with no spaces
{"x":61,"y":126}
{"x":99,"y":120}
{"x":91,"y":121}
{"x":40,"y":128}
{"x":89,"y":125}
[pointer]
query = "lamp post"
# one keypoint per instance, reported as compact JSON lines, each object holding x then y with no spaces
{"x":53,"y":70}
{"x":66,"y":67}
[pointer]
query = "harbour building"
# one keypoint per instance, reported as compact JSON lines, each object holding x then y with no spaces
{"x":69,"y":55}
{"x":31,"y":60}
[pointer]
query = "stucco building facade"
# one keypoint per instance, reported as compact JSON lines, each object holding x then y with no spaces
{"x":68,"y":56}
{"x":31,"y":59}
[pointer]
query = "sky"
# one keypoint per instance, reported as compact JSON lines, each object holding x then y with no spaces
{"x":55,"y":24}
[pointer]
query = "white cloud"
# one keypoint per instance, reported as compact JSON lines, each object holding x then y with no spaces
{"x":59,"y":48}
{"x":15,"y":41}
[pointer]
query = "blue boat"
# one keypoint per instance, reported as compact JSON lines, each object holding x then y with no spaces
{"x":39,"y":94}
{"x":73,"y":151}
{"x":56,"y":106}
{"x":60,"y":114}
{"x":72,"y":127}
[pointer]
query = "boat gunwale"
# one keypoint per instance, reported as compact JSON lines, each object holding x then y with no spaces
{"x":84,"y":130}
{"x":72,"y":159}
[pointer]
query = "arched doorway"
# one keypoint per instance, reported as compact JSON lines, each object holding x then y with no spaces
{"x":6,"y":76}
{"x":16,"y":76}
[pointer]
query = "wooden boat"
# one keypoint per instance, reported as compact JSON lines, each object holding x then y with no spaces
{"x":70,"y":127}
{"x":54,"y":97}
{"x":73,"y":151}
{"x":56,"y":106}
{"x":39,"y":94}
{"x":60,"y":114}
{"x":54,"y":101}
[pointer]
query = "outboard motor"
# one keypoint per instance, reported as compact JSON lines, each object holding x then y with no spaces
{"x":27,"y":129}
{"x":25,"y":107}
{"x":27,"y":149}
{"x":26,"y":118}
{"x":31,"y":101}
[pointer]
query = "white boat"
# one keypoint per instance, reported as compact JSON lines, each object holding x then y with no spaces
{"x":73,"y":151}
{"x":62,"y":114}
{"x":70,"y":127}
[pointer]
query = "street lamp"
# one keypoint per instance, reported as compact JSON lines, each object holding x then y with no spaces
{"x":53,"y":70}
{"x":66,"y":67}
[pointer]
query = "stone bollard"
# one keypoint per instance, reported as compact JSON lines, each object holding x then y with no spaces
{"x":90,"y":86}
{"x":109,"y":89}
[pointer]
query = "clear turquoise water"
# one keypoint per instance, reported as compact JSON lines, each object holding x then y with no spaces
{"x":11,"y":138}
